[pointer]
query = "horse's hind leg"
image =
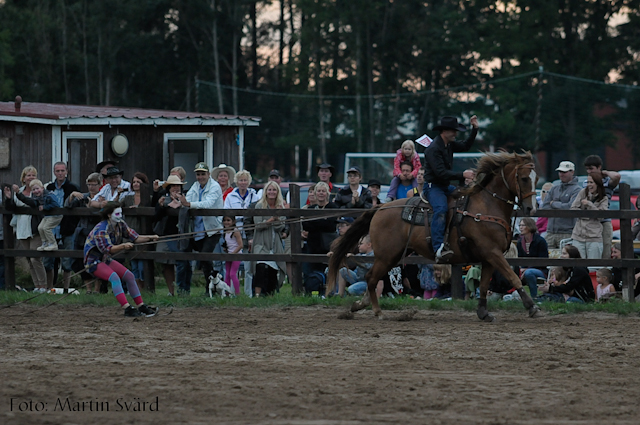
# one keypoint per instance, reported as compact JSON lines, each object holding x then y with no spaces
{"x":364,"y":302}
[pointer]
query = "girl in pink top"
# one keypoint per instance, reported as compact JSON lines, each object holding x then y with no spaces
{"x":605,"y":289}
{"x":232,"y":245}
{"x":407,"y":152}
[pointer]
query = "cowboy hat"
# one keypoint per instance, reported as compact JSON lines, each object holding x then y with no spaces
{"x":327,"y":166}
{"x":223,"y":167}
{"x":172,"y":179}
{"x":113,"y":171}
{"x":449,"y":123}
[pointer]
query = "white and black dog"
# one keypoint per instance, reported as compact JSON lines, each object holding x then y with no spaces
{"x":219,"y":287}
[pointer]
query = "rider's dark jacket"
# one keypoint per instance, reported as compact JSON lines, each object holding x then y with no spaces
{"x":438,"y":159}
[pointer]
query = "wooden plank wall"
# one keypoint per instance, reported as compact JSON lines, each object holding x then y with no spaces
{"x":26,"y":149}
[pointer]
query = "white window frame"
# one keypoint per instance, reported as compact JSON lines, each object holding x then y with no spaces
{"x":208,"y":147}
{"x":63,"y":155}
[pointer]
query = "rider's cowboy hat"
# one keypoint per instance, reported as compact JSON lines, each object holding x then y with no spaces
{"x":449,"y":123}
{"x":172,"y":179}
{"x":223,"y":167}
{"x":112,"y":171}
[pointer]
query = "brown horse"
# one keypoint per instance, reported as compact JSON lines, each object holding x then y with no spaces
{"x":482,"y":235}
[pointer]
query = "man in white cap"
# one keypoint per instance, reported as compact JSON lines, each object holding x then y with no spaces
{"x":560,"y":197}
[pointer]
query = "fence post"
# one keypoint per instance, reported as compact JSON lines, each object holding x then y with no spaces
{"x":626,"y":242}
{"x":457,"y":285}
{"x":9,"y":262}
{"x":295,"y":233}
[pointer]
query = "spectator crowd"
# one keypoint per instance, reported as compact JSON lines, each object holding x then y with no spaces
{"x":223,"y":187}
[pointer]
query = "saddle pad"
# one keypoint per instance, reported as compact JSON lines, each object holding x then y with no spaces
{"x":414,"y":210}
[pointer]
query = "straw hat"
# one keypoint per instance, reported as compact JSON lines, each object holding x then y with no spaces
{"x":223,"y":167}
{"x":172,"y":180}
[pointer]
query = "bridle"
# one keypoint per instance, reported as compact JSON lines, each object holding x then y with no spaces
{"x":518,"y":193}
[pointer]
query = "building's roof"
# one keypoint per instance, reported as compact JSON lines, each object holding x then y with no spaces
{"x":52,"y":113}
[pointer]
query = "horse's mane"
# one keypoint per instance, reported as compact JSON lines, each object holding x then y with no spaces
{"x":489,"y":165}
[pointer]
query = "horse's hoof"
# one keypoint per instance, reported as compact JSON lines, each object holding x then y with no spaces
{"x":535,"y":311}
{"x":356,"y":306}
{"x":489,"y":318}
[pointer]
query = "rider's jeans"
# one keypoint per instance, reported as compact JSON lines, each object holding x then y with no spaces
{"x":437,"y":196}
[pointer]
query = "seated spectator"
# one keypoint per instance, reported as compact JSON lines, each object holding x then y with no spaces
{"x":84,"y":227}
{"x":557,"y":277}
{"x":432,"y":277}
{"x":472,"y":281}
{"x":578,"y":286}
{"x":374,"y":187}
{"x":531,"y":244}
{"x":168,"y":225}
{"x":400,"y":186}
{"x":635,"y":229}
{"x":354,"y":195}
{"x":605,"y":288}
{"x":587,"y":233}
{"x":616,"y":253}
{"x":115,"y":188}
{"x":499,"y":286}
{"x":356,"y":283}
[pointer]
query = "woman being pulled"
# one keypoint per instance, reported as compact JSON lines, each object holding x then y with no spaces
{"x":106,"y":240}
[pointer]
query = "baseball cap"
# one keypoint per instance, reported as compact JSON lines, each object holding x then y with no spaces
{"x":275,"y":173}
{"x":346,"y":220}
{"x":374,"y":182}
{"x":354,"y":169}
{"x":201,"y":166}
{"x":566,"y":166}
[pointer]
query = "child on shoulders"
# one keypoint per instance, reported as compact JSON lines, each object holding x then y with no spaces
{"x":43,"y":201}
{"x":407,"y":152}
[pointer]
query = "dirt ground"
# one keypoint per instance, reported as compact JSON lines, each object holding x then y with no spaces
{"x":80,"y":365}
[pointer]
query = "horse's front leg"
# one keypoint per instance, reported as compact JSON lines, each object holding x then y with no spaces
{"x":485,"y":280}
{"x":500,"y":264}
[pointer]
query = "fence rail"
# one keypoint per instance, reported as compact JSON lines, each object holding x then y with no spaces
{"x":625,"y":214}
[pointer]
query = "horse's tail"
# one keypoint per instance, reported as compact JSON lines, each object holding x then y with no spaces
{"x":345,"y":245}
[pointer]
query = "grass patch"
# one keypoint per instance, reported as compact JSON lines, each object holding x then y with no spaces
{"x":286,"y":299}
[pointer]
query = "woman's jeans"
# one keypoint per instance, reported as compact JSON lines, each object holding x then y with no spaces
{"x":530,"y":278}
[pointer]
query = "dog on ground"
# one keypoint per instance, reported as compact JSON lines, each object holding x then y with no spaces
{"x":218,"y":286}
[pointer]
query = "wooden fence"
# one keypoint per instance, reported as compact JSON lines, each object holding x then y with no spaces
{"x":626,"y":214}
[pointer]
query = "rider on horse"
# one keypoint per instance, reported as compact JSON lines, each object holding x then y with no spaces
{"x":438,"y":174}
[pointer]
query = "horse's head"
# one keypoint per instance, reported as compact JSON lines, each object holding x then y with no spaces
{"x":521,"y":182}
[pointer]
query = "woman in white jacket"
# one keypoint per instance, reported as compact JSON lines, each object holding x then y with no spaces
{"x":587,"y":232}
{"x":240,"y":198}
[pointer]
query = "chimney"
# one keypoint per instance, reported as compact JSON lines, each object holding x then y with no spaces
{"x":18,"y":103}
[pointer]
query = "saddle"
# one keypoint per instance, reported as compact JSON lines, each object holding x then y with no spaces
{"x":414,"y":211}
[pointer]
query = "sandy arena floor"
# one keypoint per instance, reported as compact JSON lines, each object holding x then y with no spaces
{"x":306,"y":366}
